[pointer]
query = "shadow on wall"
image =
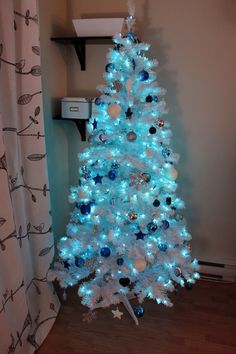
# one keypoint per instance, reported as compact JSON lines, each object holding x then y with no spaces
{"x":167,"y":79}
{"x":229,"y":10}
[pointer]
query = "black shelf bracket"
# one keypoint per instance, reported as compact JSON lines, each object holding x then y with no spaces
{"x":80,"y":49}
{"x":80,"y":123}
{"x":80,"y":43}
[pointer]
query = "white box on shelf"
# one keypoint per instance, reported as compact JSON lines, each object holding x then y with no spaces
{"x":75,"y":107}
{"x":98,"y":27}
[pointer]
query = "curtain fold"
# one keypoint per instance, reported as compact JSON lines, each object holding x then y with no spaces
{"x":28,"y":305}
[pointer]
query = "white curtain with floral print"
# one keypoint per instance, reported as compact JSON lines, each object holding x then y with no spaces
{"x":28,"y":305}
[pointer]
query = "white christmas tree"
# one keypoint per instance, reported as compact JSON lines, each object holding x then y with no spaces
{"x":126,"y":234}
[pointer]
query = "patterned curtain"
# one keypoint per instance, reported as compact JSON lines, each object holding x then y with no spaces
{"x":28,"y":305}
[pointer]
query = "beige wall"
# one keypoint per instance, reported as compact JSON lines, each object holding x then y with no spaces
{"x":195,"y":44}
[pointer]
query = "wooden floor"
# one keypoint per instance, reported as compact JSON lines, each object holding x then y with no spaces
{"x":203,"y":320}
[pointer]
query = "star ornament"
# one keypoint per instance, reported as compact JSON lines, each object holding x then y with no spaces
{"x":128,"y":113}
{"x":95,"y":124}
{"x":66,"y":264}
{"x":140,"y":235}
{"x":117,"y":313}
{"x":98,"y":179}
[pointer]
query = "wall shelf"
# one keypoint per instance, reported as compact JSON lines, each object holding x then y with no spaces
{"x":80,"y":123}
{"x":80,"y":43}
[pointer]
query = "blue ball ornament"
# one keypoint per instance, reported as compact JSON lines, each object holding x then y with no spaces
{"x":112,"y":175}
{"x":155,"y":98}
{"x":120,"y":261}
{"x":152,"y":130}
{"x":151,"y":226}
{"x":156,"y":203}
{"x":162,"y":247}
{"x":110,"y":67}
{"x":165,"y":224}
{"x":87,"y":175}
{"x":143,"y":75}
{"x":139,"y":311}
{"x":115,"y":165}
{"x":79,"y":261}
{"x":149,"y":99}
{"x":188,"y":285}
{"x":98,"y":101}
{"x":105,"y":252}
{"x":165,"y":152}
{"x":85,"y":209}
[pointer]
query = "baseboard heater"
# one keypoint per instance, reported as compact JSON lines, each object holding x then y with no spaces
{"x":222,"y":271}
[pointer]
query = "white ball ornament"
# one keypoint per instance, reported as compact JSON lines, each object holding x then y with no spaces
{"x":114,"y":110}
{"x":171,"y":173}
{"x":140,"y":264}
{"x":71,"y":199}
{"x":82,"y":194}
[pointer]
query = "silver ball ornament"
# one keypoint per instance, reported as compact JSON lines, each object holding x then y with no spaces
{"x":133,"y":215}
{"x":146,"y":177}
{"x":117,"y":85}
{"x":131,"y":136}
{"x":178,"y":271}
{"x":160,"y":123}
{"x":103,"y":138}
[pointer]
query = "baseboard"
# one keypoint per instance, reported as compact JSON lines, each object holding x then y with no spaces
{"x":220,"y":269}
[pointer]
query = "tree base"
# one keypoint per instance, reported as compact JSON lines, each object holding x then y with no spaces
{"x":129,"y":308}
{"x":125,"y":301}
